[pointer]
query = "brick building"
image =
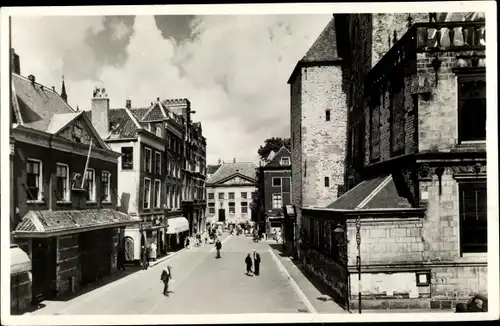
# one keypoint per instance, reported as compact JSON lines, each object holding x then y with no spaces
{"x":193,"y":165}
{"x":145,"y":190}
{"x":415,"y":170}
{"x":64,"y":213}
{"x":230,"y":191}
{"x":274,"y":191}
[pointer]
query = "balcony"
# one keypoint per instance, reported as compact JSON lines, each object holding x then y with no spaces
{"x":425,"y":45}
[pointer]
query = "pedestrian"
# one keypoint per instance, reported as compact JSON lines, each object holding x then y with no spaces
{"x":256,"y":262}
{"x":121,"y":257}
{"x":166,"y":275}
{"x":218,"y":247}
{"x":153,"y":253}
{"x":144,"y":258}
{"x":248,"y":262}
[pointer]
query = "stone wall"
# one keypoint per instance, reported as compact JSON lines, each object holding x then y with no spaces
{"x":68,"y":265}
{"x":20,"y":292}
{"x":323,"y":142}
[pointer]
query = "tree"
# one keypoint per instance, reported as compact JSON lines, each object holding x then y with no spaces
{"x":273,"y":144}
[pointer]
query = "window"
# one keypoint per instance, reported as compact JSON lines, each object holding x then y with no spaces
{"x":277,"y":204}
{"x":327,"y":182}
{"x":34,"y":179}
{"x":473,"y":217}
{"x":106,"y":186}
{"x":244,"y":208}
{"x":327,"y":115}
{"x":62,"y":182}
{"x":76,"y":134}
{"x":127,"y":158}
{"x":231,"y":195}
{"x":244,"y":195}
{"x":211,"y":196}
{"x":158,"y":131}
{"x":276,"y":182}
{"x":221,"y":195}
{"x":285,"y":161}
{"x":211,"y":208}
{"x":147,"y":159}
{"x":375,"y":131}
{"x":157,"y":198}
{"x":157,"y":163}
{"x":471,"y":108}
{"x":232,"y":209}
{"x":90,"y":184}
{"x":147,"y":193}
{"x":153,"y":128}
{"x":167,"y":166}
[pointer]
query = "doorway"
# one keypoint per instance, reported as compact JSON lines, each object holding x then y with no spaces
{"x":222,"y":215}
{"x":44,"y":268}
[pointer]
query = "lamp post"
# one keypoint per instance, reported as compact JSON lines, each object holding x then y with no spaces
{"x":358,"y":260}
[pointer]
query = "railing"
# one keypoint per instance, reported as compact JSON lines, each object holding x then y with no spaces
{"x":425,"y":37}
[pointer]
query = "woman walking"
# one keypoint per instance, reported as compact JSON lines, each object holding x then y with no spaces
{"x":248,"y":262}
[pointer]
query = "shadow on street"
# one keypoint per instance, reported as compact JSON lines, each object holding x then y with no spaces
{"x":315,"y":281}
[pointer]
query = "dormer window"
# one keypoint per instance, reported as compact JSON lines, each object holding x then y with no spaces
{"x":152,"y":128}
{"x":76,"y":134}
{"x":285,"y":161}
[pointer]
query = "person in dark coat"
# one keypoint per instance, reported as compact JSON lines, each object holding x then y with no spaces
{"x":121,"y":257}
{"x":218,"y":247}
{"x":145,"y":257}
{"x":256,"y":262}
{"x":248,"y":262}
{"x":166,"y":275}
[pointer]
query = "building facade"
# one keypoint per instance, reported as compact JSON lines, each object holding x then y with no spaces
{"x":411,"y":230}
{"x":275,"y":192}
{"x":65,"y":215}
{"x":230,"y":191}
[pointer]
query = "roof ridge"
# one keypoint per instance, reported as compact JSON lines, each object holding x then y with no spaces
{"x":375,"y":191}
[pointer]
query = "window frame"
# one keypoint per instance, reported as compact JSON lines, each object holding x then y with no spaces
{"x":40,"y":180}
{"x":221,"y":197}
{"x":90,"y":199}
{"x":144,"y":197}
{"x":148,"y":167}
{"x":274,"y":200}
{"x":244,"y":205}
{"x":328,"y":115}
{"x":157,"y":165}
{"x":327,"y":182}
{"x":66,"y":197}
{"x":475,"y":184}
{"x":231,"y":195}
{"x":157,"y":194}
{"x":211,"y":208}
{"x":468,"y":76}
{"x":233,"y":206}
{"x":274,"y":184}
{"x":211,"y":196}
{"x":108,"y":200}
{"x":287,"y":158}
{"x":131,"y":158}
{"x":245,"y":196}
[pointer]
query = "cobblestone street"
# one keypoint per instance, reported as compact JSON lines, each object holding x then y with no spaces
{"x":202,"y":284}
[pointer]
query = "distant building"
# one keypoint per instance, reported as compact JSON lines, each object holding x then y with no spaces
{"x":230,"y":191}
{"x":275,"y":190}
{"x":415,"y":165}
{"x":64,"y":213}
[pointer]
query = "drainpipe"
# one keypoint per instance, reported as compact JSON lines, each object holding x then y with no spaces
{"x":358,"y":259}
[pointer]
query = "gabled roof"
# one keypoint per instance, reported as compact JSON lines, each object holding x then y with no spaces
{"x":376,"y":193}
{"x":276,"y":160}
{"x":155,"y":113}
{"x":323,"y":51}
{"x":36,"y":104}
{"x":211,"y":169}
{"x":228,"y":170}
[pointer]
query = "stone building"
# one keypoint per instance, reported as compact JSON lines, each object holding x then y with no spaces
{"x":230,"y":191}
{"x":64,"y":211}
{"x":415,"y":169}
{"x":145,"y":190}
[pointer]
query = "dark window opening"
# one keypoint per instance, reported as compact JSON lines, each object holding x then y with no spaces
{"x":127,"y":158}
{"x":473,"y":217}
{"x":327,"y":182}
{"x":471,"y":108}
{"x":327,"y":115}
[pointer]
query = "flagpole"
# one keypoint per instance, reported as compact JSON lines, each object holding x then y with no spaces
{"x":86,"y":164}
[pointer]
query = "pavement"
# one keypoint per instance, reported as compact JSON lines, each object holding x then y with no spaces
{"x":202,"y":284}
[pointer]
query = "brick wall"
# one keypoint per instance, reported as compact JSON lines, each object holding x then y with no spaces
{"x":68,"y":265}
{"x":323,"y":142}
{"x":269,"y":190}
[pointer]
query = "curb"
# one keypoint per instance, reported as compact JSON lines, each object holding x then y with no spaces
{"x":161,"y":260}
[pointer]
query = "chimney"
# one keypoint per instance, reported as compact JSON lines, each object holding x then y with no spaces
{"x":219,"y":161}
{"x":100,"y":112}
{"x":157,"y":99}
{"x":54,"y":88}
{"x":128,"y":104}
{"x":234,"y":160}
{"x":16,"y":64}
{"x":31,"y":79}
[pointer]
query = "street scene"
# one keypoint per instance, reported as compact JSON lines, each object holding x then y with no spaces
{"x":326,"y":163}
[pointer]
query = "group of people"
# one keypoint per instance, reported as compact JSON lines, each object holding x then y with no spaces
{"x":255,"y":263}
{"x":148,"y":253}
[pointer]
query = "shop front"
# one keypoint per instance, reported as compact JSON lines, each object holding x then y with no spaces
{"x":153,"y":232}
{"x":20,"y":280}
{"x":177,"y":231}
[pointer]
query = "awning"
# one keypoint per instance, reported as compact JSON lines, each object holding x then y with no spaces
{"x":177,"y":225}
{"x":19,"y":261}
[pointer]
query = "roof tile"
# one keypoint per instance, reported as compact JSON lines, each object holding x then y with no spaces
{"x":228,"y":169}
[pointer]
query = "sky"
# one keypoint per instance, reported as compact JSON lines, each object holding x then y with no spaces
{"x":233,"y":69}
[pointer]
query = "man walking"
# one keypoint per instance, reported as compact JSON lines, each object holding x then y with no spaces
{"x":218,"y":247}
{"x":256,"y":262}
{"x":248,"y":262}
{"x":166,"y":275}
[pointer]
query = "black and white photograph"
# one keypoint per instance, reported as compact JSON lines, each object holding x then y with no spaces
{"x":249,"y":163}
